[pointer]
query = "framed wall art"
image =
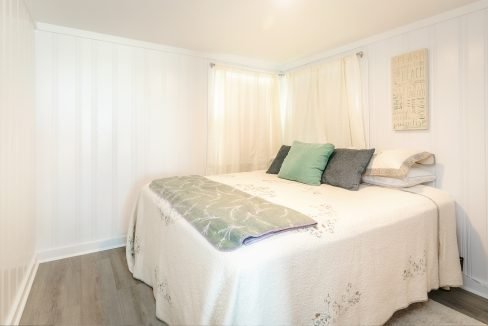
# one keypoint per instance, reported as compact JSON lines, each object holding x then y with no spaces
{"x":409,"y":80}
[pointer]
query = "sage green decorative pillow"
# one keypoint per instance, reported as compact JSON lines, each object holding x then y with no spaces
{"x":305,"y":162}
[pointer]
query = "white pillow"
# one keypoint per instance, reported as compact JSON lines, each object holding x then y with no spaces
{"x":416,"y":175}
{"x":396,"y":163}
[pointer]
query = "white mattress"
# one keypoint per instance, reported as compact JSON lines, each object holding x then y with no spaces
{"x":373,"y":252}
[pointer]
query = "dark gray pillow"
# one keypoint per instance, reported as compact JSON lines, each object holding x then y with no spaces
{"x":346,"y":167}
{"x":275,"y":167}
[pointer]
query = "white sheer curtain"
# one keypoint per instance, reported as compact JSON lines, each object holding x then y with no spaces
{"x":324,"y":104}
{"x":244,"y":131}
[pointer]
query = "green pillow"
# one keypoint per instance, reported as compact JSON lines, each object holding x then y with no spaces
{"x":305,"y":163}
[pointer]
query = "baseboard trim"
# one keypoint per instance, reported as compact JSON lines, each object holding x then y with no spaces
{"x":80,"y":249}
{"x":474,"y":286}
{"x":13,"y":318}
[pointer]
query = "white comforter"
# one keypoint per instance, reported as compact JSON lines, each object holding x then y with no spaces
{"x":373,"y":252}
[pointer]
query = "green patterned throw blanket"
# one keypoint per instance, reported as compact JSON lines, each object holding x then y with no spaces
{"x":227,"y":217}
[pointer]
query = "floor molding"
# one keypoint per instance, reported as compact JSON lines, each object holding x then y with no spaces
{"x":18,"y":305}
{"x":54,"y":254}
{"x":80,"y":249}
{"x":474,"y":286}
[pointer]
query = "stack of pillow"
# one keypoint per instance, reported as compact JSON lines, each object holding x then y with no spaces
{"x":399,"y":168}
{"x":315,"y":164}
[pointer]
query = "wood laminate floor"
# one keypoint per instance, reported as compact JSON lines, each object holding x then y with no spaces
{"x":98,"y":289}
{"x":463,"y":301}
{"x":93,"y":289}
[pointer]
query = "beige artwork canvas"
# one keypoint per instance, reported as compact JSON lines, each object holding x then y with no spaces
{"x":409,"y":77}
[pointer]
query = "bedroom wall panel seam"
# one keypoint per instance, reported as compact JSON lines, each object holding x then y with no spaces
{"x":17,"y":155}
{"x":485,"y":104}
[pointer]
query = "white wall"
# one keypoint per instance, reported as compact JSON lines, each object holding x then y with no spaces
{"x":111,"y":116}
{"x":17,"y":238}
{"x":458,"y":51}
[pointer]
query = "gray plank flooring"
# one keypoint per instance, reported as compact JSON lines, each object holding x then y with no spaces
{"x":94,"y":289}
{"x":98,"y":289}
{"x":463,"y":301}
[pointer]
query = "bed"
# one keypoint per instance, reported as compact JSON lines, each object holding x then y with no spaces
{"x":372,"y":252}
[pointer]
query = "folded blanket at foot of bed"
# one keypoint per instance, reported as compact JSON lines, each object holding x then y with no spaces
{"x":227,"y":217}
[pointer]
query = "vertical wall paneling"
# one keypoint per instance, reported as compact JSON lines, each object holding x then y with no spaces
{"x":475,"y":128}
{"x":485,"y":28}
{"x":110,"y":118}
{"x":17,"y":152}
{"x":458,"y":95}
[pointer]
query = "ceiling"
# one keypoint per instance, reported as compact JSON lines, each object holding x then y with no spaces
{"x":278,"y":31}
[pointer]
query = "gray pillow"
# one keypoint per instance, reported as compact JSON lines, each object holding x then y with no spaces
{"x":346,"y":167}
{"x":275,"y":167}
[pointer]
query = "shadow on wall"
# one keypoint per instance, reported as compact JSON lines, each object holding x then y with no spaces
{"x":473,"y":252}
{"x":471,"y":244}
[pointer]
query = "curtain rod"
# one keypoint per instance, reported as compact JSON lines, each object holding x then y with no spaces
{"x":360,"y":55}
{"x":244,"y":68}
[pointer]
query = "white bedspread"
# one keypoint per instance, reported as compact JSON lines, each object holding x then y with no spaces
{"x":373,"y":252}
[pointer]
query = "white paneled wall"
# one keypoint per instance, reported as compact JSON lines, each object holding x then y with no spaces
{"x":109,"y":118}
{"x":112,"y":116}
{"x":17,"y":237}
{"x":458,"y":51}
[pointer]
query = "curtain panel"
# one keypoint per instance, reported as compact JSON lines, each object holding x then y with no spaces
{"x":244,"y":129}
{"x":324,"y":104}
